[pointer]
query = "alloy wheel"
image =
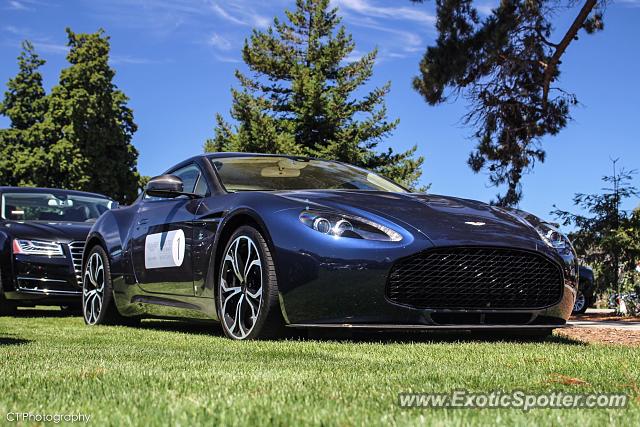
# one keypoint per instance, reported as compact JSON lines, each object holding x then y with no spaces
{"x":93,"y":289}
{"x":241,"y":285}
{"x":580,"y":302}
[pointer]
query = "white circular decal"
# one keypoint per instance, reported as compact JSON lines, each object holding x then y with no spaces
{"x":162,"y":250}
{"x":177,"y":248}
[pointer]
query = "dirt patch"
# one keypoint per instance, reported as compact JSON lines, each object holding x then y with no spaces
{"x":605,"y":316}
{"x":601,"y":335}
{"x":566,"y":380}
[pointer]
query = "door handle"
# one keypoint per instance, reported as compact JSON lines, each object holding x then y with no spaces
{"x":143,"y":221}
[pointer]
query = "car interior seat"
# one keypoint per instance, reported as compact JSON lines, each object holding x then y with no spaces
{"x":49,"y":216}
{"x":79,"y":214}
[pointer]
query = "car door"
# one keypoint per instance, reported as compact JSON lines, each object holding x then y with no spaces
{"x":163,"y":237}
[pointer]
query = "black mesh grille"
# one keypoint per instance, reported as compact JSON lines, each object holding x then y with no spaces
{"x":76,"y":249}
{"x":473,"y":278}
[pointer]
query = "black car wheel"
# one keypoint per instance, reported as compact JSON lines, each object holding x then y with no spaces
{"x":98,"y":307}
{"x":7,"y":308}
{"x":581,"y":304}
{"x":247,"y":294}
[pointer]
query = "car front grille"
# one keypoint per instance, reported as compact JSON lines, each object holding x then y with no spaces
{"x":76,"y":249}
{"x":475,"y":278}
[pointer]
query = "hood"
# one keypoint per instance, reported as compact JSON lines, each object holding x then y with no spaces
{"x":62,"y":232}
{"x":443,"y":220}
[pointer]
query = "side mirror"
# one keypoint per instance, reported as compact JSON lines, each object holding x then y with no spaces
{"x":165,"y":186}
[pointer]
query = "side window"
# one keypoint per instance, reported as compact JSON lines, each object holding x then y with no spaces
{"x":201,"y":187}
{"x":193,"y":180}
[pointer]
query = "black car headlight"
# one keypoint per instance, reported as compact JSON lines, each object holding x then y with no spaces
{"x":552,"y":236}
{"x":340,"y":225}
{"x":549,"y":233}
{"x":37,"y":247}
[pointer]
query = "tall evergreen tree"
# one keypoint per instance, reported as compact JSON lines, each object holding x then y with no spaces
{"x":88,"y":118}
{"x":25,"y":104}
{"x":507,"y":67}
{"x":301,"y":98}
{"x":77,"y":137}
{"x":25,"y":100}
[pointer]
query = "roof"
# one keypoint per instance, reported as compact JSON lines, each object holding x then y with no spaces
{"x":220,"y":155}
{"x":50,"y":190}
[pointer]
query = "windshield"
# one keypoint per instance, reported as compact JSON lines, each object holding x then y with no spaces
{"x":50,"y":207}
{"x":283,"y":173}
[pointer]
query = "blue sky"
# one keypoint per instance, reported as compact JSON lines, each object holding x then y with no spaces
{"x":175,"y":60}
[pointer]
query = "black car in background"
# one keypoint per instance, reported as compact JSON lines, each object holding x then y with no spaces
{"x":42,"y":237}
{"x":586,"y":290}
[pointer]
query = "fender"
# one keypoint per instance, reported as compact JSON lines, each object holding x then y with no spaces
{"x":112,"y":231}
{"x":227,"y":224}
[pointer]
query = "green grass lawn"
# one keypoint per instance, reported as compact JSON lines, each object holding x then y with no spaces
{"x":176,"y":373}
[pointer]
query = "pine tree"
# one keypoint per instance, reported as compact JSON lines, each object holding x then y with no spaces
{"x":606,"y":236}
{"x":79,"y":136}
{"x":91,"y":124}
{"x":25,"y":100}
{"x":25,"y":104}
{"x":301,"y":98}
{"x":507,"y":68}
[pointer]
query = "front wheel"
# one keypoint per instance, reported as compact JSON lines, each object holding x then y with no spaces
{"x":98,"y":307}
{"x":7,"y":308}
{"x":247,"y":292}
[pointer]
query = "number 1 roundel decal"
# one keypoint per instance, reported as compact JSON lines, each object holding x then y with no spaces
{"x":163,"y":250}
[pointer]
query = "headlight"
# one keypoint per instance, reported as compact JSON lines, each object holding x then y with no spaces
{"x":37,"y":247}
{"x":338,"y":225}
{"x":547,"y":232}
{"x":552,"y":236}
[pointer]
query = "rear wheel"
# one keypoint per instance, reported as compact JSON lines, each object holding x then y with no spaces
{"x":98,"y":307}
{"x":247,"y":293}
{"x":581,"y":304}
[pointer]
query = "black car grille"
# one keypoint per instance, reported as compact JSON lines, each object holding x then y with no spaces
{"x":76,"y":249}
{"x":475,"y":278}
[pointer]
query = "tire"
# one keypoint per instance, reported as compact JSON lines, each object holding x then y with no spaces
{"x":581,"y":304}
{"x":7,"y":308}
{"x":98,"y":307}
{"x":247,"y":288}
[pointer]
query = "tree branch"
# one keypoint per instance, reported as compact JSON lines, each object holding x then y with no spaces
{"x":562,"y":46}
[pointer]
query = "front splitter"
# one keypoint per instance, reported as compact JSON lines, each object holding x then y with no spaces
{"x":421,"y":327}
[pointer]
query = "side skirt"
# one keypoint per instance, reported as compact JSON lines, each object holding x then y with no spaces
{"x":136,"y":302}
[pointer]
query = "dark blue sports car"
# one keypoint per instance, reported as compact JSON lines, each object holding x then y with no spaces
{"x":262,"y":243}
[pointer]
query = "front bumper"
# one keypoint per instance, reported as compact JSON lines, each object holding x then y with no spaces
{"x":44,"y":279}
{"x":343,"y":284}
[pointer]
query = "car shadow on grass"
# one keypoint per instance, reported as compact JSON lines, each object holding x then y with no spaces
{"x":327,"y":335}
{"x":349,"y":336}
{"x":11,"y":339}
{"x":41,"y":312}
{"x":433,"y":337}
{"x":187,"y":327}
